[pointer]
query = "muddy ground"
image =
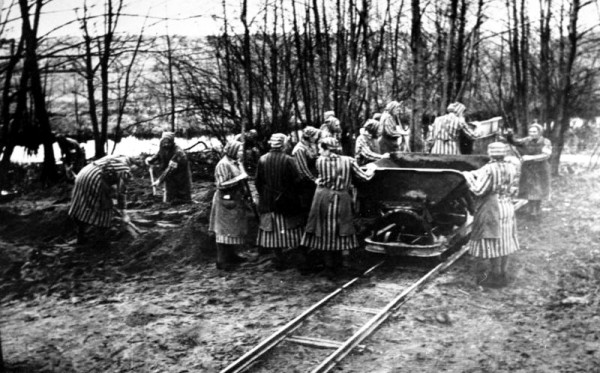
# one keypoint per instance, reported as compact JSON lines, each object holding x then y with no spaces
{"x":156,"y":303}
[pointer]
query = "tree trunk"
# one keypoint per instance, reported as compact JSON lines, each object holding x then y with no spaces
{"x":563,"y":118}
{"x":49,"y":171}
{"x":418,"y":73}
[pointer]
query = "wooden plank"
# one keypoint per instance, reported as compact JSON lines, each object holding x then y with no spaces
{"x":317,"y":342}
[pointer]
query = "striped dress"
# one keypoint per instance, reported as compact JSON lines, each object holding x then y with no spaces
{"x":304,"y":158}
{"x":445,"y":132}
{"x":330,"y":225}
{"x":94,"y":190}
{"x":228,"y":215}
{"x":275,"y":178}
{"x":366,"y":149}
{"x":493,"y":183}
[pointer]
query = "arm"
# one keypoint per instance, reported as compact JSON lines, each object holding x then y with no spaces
{"x":388,"y":126}
{"x":478,"y":181}
{"x":173,"y":165}
{"x":546,"y":153}
{"x":466,"y":129}
{"x":223,"y":177}
{"x":363,"y":149}
{"x":358,"y":172}
{"x":302,"y":166}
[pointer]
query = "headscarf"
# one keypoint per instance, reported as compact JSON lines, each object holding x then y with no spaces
{"x":310,"y":133}
{"x":167,"y":136}
{"x":538,"y":126}
{"x":115,"y":167}
{"x":232,"y":148}
{"x":377,"y":116}
{"x":328,"y":114}
{"x":391,"y":106}
{"x":332,"y":144}
{"x":451,"y":108}
{"x":333,"y":125}
{"x":459,"y":109}
{"x":497,"y":149}
{"x":277,"y":140}
{"x":371,"y":126}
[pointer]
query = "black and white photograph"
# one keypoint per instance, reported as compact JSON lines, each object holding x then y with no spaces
{"x":290,"y":186}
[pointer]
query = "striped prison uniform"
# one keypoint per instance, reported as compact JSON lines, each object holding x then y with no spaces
{"x":445,"y":132}
{"x":304,"y":157}
{"x":366,"y":149}
{"x":275,"y":176}
{"x":335,"y":174}
{"x":91,"y":201}
{"x":225,"y":172}
{"x":496,"y":177}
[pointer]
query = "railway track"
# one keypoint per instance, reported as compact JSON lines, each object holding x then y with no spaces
{"x":342,"y":320}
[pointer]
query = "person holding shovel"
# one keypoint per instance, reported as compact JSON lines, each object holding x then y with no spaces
{"x":229,"y":212}
{"x":96,"y":185}
{"x":176,"y":173}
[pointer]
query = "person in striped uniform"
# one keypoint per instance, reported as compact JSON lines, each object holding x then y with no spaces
{"x":330,"y":227}
{"x":228,"y":215}
{"x":494,"y":234}
{"x":281,"y":224}
{"x":366,"y":149}
{"x":534,"y":184}
{"x":95,"y":187}
{"x":394,"y":137}
{"x":444,"y":133}
{"x":331,"y":128}
{"x":305,"y":155}
{"x":176,"y":173}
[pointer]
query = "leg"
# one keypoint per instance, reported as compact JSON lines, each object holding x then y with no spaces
{"x":223,"y":256}
{"x":81,"y":232}
{"x":504,"y":268}
{"x":278,"y":261}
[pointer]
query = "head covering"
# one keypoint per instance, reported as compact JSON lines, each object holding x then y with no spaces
{"x":167,"y":137}
{"x":328,"y":114}
{"x":377,"y":116}
{"x":497,"y":149}
{"x":371,"y":126}
{"x":459,"y":109}
{"x":332,"y":144}
{"x":232,"y":148}
{"x":333,"y":125}
{"x":391,"y":106}
{"x":451,"y":108}
{"x":277,"y":140}
{"x":538,"y":126}
{"x":115,"y":166}
{"x":310,"y":133}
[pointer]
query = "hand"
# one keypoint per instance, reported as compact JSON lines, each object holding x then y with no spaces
{"x":147,"y":161}
{"x":156,"y":183}
{"x":386,"y":155}
{"x":526,"y":158}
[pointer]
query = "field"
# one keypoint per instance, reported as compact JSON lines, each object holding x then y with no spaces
{"x":156,"y":303}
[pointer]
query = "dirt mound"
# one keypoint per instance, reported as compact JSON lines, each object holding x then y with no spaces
{"x":40,"y":226}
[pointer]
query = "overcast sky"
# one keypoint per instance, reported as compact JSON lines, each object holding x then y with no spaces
{"x":203,"y":17}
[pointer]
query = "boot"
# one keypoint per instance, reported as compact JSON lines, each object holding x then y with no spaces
{"x":223,"y":257}
{"x":278,"y":262}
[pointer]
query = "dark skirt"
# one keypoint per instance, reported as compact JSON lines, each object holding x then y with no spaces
{"x":535,"y":181}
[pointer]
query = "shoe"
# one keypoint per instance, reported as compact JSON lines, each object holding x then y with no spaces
{"x":227,"y":267}
{"x":237,"y":259}
{"x":491,"y":281}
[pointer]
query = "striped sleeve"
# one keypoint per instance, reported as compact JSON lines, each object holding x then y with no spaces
{"x":363,"y":149}
{"x":358,"y":172}
{"x":466,"y":129}
{"x":302,"y":165}
{"x":479,"y":181}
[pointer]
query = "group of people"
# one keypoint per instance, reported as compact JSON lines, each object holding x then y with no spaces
{"x":304,"y":192}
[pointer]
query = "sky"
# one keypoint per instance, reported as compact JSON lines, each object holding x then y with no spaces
{"x":204,"y":17}
{"x":186,"y":17}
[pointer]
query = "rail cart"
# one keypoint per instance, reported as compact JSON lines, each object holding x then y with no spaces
{"x":416,"y":205}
